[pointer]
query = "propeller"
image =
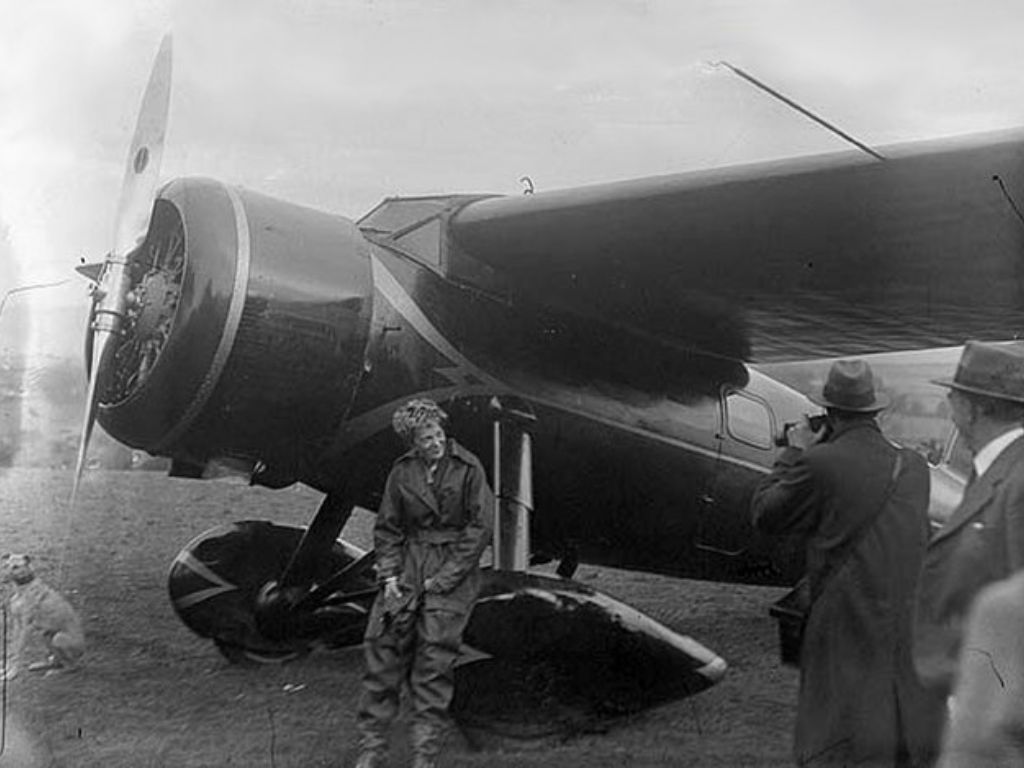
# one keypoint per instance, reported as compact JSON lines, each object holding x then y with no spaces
{"x":110,"y":293}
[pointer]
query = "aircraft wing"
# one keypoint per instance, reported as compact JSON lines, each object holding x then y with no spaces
{"x":823,"y":256}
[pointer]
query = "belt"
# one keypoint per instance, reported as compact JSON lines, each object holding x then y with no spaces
{"x":435,"y":537}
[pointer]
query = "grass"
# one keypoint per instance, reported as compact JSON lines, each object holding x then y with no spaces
{"x":153,"y":695}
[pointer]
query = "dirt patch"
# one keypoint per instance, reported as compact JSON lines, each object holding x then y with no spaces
{"x":153,"y":694}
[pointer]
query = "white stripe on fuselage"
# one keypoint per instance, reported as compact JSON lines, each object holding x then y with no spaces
{"x":239,"y":291}
{"x":379,"y":418}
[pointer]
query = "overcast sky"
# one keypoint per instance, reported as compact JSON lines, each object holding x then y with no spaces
{"x":339,"y":104}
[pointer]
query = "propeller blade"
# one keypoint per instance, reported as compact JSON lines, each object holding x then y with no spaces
{"x":142,"y":168}
{"x":317,"y":541}
{"x":134,"y":209}
{"x":101,"y":347}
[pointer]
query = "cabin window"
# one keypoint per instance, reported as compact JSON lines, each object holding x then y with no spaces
{"x":748,"y":420}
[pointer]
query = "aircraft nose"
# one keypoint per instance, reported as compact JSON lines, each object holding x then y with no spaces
{"x":247,"y":332}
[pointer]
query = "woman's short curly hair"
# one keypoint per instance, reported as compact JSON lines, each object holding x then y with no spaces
{"x":414,"y":414}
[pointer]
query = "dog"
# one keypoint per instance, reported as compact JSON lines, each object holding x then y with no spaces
{"x":37,"y":608}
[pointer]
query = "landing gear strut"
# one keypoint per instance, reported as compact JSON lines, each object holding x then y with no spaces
{"x":282,"y":603}
{"x":513,"y":483}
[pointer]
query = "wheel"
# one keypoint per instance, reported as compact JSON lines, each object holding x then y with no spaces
{"x":215,"y":581}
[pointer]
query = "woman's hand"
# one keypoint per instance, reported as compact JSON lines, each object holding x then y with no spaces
{"x":391,"y":589}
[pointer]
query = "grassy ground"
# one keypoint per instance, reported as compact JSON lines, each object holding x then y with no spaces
{"x":152,"y":694}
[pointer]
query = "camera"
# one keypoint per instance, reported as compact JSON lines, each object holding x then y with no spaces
{"x":816,"y":422}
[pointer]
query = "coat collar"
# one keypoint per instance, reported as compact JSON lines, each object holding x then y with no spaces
{"x":452,"y":450}
{"x":419,"y":486}
{"x":980,"y":492}
{"x":849,"y":427}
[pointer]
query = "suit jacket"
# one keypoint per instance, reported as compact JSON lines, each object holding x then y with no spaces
{"x":987,"y":727}
{"x":858,"y":691}
{"x":981,"y":542}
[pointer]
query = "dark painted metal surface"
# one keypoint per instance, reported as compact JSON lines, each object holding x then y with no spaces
{"x":537,"y":645}
{"x":818,"y":254}
{"x":560,"y":654}
{"x":633,"y":464}
{"x":215,"y":581}
{"x":267,"y":340}
{"x":282,"y":354}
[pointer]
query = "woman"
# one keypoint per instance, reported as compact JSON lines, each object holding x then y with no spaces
{"x":433,"y":523}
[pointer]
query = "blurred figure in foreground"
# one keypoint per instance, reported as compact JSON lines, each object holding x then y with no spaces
{"x":987,"y":724}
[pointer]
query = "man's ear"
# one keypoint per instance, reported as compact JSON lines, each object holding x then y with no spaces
{"x":974,"y":411}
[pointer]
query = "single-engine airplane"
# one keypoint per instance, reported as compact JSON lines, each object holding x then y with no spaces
{"x":616,"y":354}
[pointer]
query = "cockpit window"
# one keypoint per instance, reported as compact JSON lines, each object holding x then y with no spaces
{"x":748,"y":420}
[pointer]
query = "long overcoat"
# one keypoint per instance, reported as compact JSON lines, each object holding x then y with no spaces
{"x":981,"y":542}
{"x":434,"y":530}
{"x":859,"y":696}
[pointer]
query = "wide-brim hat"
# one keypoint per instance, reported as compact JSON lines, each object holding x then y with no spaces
{"x":851,"y":387}
{"x":992,"y":370}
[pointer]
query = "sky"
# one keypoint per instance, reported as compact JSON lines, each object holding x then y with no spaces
{"x":338,"y":104}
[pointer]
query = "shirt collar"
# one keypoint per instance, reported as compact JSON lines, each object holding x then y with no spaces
{"x":984,"y":458}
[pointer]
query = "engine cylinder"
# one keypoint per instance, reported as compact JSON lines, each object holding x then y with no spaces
{"x":246,"y":329}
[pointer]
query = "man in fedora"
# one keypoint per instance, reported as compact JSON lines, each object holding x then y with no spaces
{"x":861,"y":506}
{"x":983,"y":540}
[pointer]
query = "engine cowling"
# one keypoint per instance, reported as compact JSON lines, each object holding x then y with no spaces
{"x":246,"y":330}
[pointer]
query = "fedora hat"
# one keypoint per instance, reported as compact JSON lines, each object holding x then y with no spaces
{"x":851,"y":387}
{"x":992,"y":370}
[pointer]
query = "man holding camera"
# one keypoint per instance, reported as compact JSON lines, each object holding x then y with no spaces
{"x":861,"y":506}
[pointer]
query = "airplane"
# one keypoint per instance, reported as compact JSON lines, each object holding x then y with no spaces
{"x":616,"y":354}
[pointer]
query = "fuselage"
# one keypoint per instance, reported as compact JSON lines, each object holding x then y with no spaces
{"x":281,"y":339}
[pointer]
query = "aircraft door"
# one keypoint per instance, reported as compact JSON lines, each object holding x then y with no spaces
{"x":745,"y":443}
